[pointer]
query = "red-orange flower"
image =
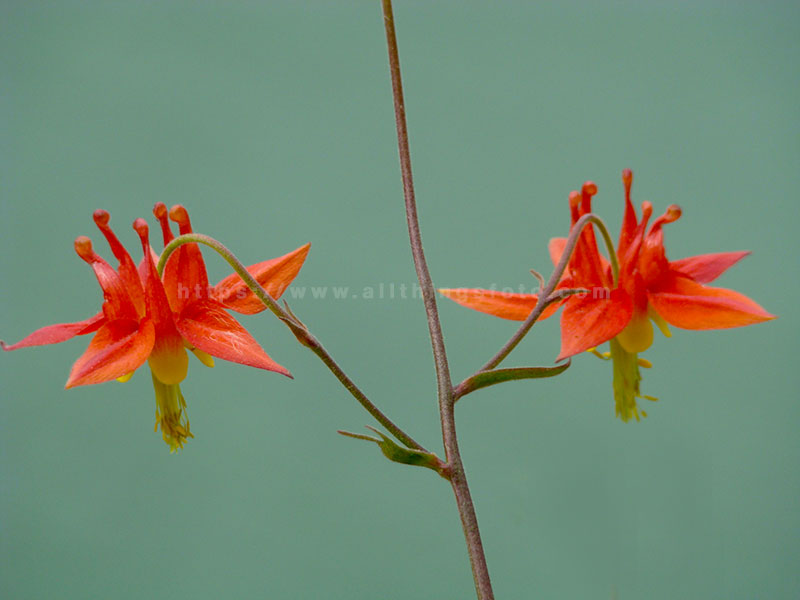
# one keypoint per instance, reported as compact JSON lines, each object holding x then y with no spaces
{"x":648,"y":287}
{"x":145,"y":318}
{"x":588,"y":319}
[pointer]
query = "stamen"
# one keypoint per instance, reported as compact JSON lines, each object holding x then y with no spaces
{"x":125,"y":378}
{"x":600,"y":355}
{"x":171,"y":415}
{"x":626,"y":382}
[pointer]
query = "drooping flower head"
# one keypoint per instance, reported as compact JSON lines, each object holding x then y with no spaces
{"x":145,"y":317}
{"x":620,"y":308}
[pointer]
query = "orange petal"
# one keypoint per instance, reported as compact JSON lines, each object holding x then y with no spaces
{"x":627,"y":232}
{"x":638,"y":334}
{"x":118,"y":303}
{"x":506,"y":305}
{"x":161,"y":213}
{"x":168,"y":359}
{"x":54,"y":334}
{"x":207,"y":326}
{"x":185,"y":278}
{"x":653,"y":263}
{"x":127,"y":268}
{"x":118,"y":348}
{"x":628,"y":252}
{"x":690,"y":305}
{"x":589,"y":321}
{"x":274,"y":275}
{"x":705,"y":268}
{"x":556,"y":248}
{"x":587,"y":259}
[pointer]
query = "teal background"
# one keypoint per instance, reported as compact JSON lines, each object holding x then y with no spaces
{"x":272,"y":122}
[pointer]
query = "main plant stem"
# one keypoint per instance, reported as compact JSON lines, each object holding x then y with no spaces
{"x":457,"y":475}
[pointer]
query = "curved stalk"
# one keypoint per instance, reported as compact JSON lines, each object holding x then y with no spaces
{"x":298,"y":329}
{"x":545,"y":295}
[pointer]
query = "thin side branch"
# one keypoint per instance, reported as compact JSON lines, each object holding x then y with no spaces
{"x":546,"y":296}
{"x":300,"y":331}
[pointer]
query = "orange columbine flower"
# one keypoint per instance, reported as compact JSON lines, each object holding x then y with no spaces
{"x":146,"y":319}
{"x":588,"y":319}
{"x":619,"y":310}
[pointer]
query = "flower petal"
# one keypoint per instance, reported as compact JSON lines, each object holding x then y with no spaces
{"x":168,"y":360}
{"x":638,"y":334}
{"x":556,"y":248}
{"x":627,"y":232}
{"x":705,"y":268}
{"x":586,"y":260}
{"x":185,"y":278}
{"x":127,"y":268}
{"x":54,"y":334}
{"x":653,"y":263}
{"x":118,"y":348}
{"x":506,"y":305}
{"x":689,"y":305}
{"x":590,"y":321}
{"x":118,"y":303}
{"x":274,"y":275}
{"x":207,"y":326}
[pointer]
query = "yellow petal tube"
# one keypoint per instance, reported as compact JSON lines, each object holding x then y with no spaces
{"x":637,"y":335}
{"x":169,"y":362}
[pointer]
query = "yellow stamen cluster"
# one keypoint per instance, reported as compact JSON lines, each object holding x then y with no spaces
{"x":626,"y":380}
{"x":171,"y":414}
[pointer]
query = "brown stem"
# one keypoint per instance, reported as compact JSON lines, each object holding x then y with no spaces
{"x":457,"y":475}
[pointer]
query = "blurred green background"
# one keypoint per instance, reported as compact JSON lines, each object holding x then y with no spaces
{"x":272,"y":122}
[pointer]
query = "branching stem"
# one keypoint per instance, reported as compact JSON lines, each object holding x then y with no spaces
{"x":458,"y":478}
{"x":298,"y":329}
{"x":546,"y":295}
